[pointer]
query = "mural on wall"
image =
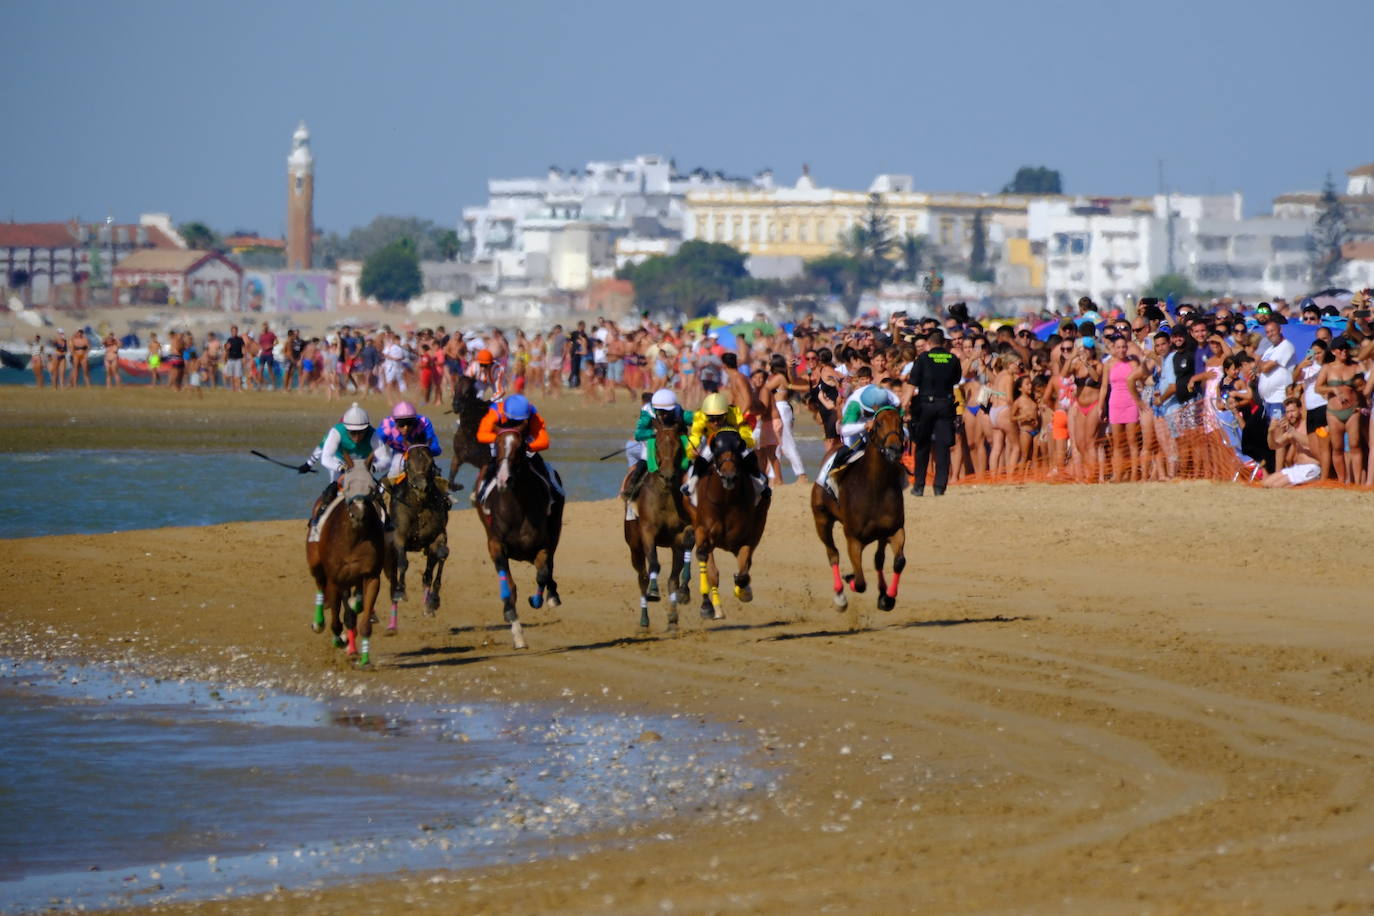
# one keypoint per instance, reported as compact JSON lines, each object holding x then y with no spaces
{"x":257,"y":288}
{"x":302,"y":292}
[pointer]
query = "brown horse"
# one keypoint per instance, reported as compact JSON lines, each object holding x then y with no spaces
{"x":870,"y":509}
{"x":419,"y":514}
{"x":725,"y":517}
{"x":470,"y":410}
{"x":523,"y":518}
{"x":661,"y":521}
{"x":348,"y":559}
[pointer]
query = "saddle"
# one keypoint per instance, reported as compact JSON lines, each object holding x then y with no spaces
{"x":830,"y":469}
{"x":313,"y":535}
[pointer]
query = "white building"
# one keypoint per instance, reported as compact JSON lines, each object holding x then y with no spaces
{"x":1111,"y":249}
{"x":1358,"y":270}
{"x":641,"y":197}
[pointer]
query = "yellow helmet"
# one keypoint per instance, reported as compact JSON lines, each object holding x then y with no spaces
{"x":715,"y":405}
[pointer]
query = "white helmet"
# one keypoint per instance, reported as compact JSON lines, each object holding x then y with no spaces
{"x":355,"y":418}
{"x":663,"y":399}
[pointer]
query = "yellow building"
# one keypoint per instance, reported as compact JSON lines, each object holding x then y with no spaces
{"x":809,"y":222}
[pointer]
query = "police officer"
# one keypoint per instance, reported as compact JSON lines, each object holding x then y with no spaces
{"x":933,"y":376}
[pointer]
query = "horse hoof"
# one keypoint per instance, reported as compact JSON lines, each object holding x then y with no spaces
{"x":671,"y":627}
{"x":555,"y":601}
{"x":374,"y":618}
{"x":316,"y":628}
{"x":339,"y":642}
{"x":652,"y":594}
{"x":744,"y":593}
{"x":536,"y":601}
{"x":841,"y":602}
{"x":390,"y":631}
{"x":886,"y":603}
{"x":707,"y":612}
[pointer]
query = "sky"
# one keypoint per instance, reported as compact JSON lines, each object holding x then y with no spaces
{"x":188,"y":107}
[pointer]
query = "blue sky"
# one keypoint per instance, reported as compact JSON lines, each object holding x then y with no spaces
{"x":189,"y":107}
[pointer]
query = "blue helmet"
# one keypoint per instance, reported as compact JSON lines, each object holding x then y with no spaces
{"x":873,"y":397}
{"x":518,"y":407}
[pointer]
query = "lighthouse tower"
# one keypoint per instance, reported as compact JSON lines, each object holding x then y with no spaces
{"x":300,"y":202}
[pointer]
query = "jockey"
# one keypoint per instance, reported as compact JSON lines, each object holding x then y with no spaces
{"x":403,"y":429}
{"x":352,"y":436}
{"x":858,"y":413}
{"x":490,"y":377}
{"x":664,"y":408}
{"x":715,"y":416}
{"x":516,"y":412}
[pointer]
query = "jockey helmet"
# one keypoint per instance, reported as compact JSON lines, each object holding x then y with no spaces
{"x":517,"y":407}
{"x":355,"y":418}
{"x":484,"y":357}
{"x":664,"y":399}
{"x":715,"y":405}
{"x":403,"y":411}
{"x":873,"y":398}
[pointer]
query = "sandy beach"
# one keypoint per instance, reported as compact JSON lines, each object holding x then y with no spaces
{"x":1138,"y":698}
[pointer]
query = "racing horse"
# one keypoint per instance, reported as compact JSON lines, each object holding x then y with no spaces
{"x":660,"y":520}
{"x":470,"y":410}
{"x":725,"y":517}
{"x":347,"y":556}
{"x":419,"y":514}
{"x":869,"y":508}
{"x":523,"y":518}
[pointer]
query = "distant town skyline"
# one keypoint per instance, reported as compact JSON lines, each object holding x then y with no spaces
{"x":412,"y":107}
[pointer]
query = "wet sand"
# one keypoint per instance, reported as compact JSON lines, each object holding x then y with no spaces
{"x":1088,"y":699}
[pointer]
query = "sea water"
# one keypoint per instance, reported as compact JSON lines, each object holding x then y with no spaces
{"x":93,"y":491}
{"x":118,"y":789}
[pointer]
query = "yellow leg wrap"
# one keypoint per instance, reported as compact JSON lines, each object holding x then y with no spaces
{"x":705,"y":580}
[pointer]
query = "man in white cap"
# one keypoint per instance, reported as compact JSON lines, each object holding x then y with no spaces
{"x":354,"y":436}
{"x":663,"y":409}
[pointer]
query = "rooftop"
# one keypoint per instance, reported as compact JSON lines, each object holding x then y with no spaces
{"x":70,"y":235}
{"x":158,"y":260}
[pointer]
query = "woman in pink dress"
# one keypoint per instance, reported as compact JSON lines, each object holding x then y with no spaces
{"x":1123,"y":377}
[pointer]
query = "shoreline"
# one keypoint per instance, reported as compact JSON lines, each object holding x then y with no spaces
{"x":1071,"y":723}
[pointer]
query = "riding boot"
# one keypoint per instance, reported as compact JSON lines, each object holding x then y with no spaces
{"x":836,"y":464}
{"x":634,"y":478}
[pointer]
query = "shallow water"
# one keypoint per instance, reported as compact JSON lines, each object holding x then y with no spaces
{"x":90,"y":491}
{"x":119,"y":789}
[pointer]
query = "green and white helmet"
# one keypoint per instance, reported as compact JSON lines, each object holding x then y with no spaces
{"x":355,"y":418}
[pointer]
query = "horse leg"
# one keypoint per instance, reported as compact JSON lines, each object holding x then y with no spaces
{"x":744,"y":558}
{"x":398,"y":545}
{"x":885,"y":603}
{"x":371,"y":586}
{"x":676,"y":581}
{"x":637,"y":560}
{"x":549,"y":585}
{"x":703,"y":552}
{"x":825,"y":527}
{"x":898,"y":543}
{"x":507,"y":589}
{"x":856,"y":558}
{"x":543,"y":577}
{"x":332,"y":599}
{"x":352,"y":602}
{"x":317,"y":622}
{"x":438,"y":557}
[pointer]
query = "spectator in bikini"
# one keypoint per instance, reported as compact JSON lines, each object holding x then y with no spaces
{"x":111,"y":345}
{"x":1337,"y":381}
{"x":81,"y":365}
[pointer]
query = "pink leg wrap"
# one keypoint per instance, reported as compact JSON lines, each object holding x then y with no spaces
{"x":892,"y":586}
{"x":839,"y":583}
{"x":352,"y":642}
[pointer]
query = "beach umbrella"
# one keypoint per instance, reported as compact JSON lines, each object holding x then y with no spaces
{"x":1339,"y":298}
{"x":747,"y":328}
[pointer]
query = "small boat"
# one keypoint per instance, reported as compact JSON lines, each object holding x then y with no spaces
{"x":139,"y":368}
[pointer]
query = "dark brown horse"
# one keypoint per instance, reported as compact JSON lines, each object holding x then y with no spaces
{"x":470,"y":410}
{"x":869,"y":508}
{"x":419,"y":514}
{"x":726,"y":518}
{"x":523,"y":518}
{"x":347,"y":561}
{"x":661,"y":521}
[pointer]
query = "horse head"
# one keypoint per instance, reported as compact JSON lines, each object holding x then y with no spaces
{"x":727,"y":454}
{"x":419,"y":468}
{"x":357,"y":488}
{"x":510,"y":454}
{"x":668,"y":446}
{"x":464,"y":392}
{"x":887,"y":433}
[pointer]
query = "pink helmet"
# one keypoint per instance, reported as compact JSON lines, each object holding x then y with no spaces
{"x":403,"y":411}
